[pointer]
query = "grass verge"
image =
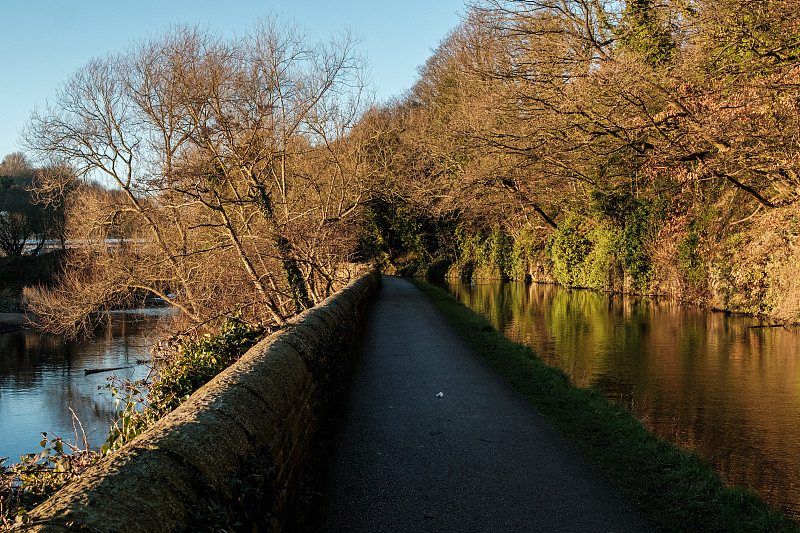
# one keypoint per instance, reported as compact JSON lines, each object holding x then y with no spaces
{"x":676,"y":488}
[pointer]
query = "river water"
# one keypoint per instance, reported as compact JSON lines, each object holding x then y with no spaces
{"x":42,"y":377}
{"x":708,"y":381}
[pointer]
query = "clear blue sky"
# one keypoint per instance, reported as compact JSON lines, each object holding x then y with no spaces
{"x":43,"y":41}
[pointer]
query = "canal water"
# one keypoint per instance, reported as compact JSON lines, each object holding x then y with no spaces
{"x":716,"y":383}
{"x":42,"y":377}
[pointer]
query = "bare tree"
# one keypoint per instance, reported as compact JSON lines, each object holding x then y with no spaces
{"x":26,"y":222}
{"x":234,"y":178}
{"x":15,"y":164}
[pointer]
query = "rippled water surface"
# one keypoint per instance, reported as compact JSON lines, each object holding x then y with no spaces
{"x":42,"y":377}
{"x":716,"y":383}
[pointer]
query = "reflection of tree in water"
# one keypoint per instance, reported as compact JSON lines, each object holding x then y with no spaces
{"x":93,"y":414}
{"x":45,"y":376}
{"x":26,"y":353}
{"x":703,"y":380}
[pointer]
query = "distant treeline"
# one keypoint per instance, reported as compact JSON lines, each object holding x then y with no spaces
{"x":27,"y":220}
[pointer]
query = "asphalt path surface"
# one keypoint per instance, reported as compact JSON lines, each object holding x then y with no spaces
{"x":476,"y":457}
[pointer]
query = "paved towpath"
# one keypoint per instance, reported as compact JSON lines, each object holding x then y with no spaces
{"x":478,"y":458}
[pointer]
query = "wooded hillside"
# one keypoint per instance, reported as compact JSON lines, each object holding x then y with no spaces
{"x":652,"y":149}
{"x":642,"y":146}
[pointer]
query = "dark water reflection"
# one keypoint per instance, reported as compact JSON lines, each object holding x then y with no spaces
{"x":43,"y":376}
{"x":703,"y":380}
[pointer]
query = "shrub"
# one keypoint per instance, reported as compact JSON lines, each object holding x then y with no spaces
{"x":568,"y":248}
{"x":634,"y":218}
{"x":37,"y":476}
{"x":484,"y":255}
{"x":691,"y":261}
{"x":602,"y":269}
{"x":638,"y":233}
{"x":522,"y":254}
{"x":182,"y":368}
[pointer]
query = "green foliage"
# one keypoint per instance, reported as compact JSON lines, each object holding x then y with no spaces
{"x":638,"y":232}
{"x":594,"y":251}
{"x":615,"y":208}
{"x":691,"y":261}
{"x":438,"y":269}
{"x":601,"y":270}
{"x":195,"y":362}
{"x":523,"y":253}
{"x":263,"y":199}
{"x":37,"y":476}
{"x":643,"y":33}
{"x":600,"y":250}
{"x":501,"y":248}
{"x":393,"y":233}
{"x":484,"y":254}
{"x":185,"y":367}
{"x":568,"y":248}
{"x":634,"y":219}
{"x":133,"y":415}
{"x":294,"y":276}
{"x":389,"y":231}
{"x":586,"y":254}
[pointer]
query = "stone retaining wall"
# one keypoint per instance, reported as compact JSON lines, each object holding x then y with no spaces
{"x":237,"y":443}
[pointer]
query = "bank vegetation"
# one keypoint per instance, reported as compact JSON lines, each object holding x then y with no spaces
{"x":639,"y":146}
{"x":646,"y":147}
